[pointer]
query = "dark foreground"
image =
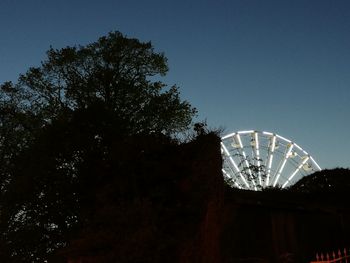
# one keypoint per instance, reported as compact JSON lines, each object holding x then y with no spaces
{"x":182,"y":211}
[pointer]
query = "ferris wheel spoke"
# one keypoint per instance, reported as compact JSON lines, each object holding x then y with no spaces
{"x":257,"y":155}
{"x":314,"y":162}
{"x":271,"y":150}
{"x":280,"y":170}
{"x":234,"y":164}
{"x":253,"y":159}
{"x":244,"y":160}
{"x":305,"y":159}
{"x":234,"y":181}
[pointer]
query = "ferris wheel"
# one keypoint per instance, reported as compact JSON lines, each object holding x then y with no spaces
{"x":258,"y":159}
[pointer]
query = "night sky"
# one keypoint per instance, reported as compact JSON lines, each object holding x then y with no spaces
{"x":280,"y":66}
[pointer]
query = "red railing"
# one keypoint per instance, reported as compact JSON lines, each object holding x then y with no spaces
{"x":340,"y":257}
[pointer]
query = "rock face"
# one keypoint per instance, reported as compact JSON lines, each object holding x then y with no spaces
{"x":170,"y":204}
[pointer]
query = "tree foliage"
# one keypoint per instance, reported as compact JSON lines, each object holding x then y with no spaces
{"x":62,"y":126}
{"x":252,"y":169}
{"x":115,"y":71}
{"x":326,"y":181}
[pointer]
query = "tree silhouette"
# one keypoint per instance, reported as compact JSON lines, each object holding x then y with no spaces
{"x":116,"y":71}
{"x":63,"y":131}
{"x":326,"y":181}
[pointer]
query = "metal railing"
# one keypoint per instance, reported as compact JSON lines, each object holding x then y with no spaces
{"x":339,"y":257}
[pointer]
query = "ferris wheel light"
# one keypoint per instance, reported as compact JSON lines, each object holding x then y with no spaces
{"x":245,"y":132}
{"x":267,"y":133}
{"x":237,"y":185}
{"x":246,"y":163}
{"x":226,"y":173}
{"x":284,"y":139}
{"x":306,"y":158}
{"x":263,"y":154}
{"x":270,"y":158}
{"x":273,"y":144}
{"x":257,"y":153}
{"x":269,"y":169}
{"x":256,"y":140}
{"x":312,"y":159}
{"x":279,"y":172}
{"x":298,"y":147}
{"x":239,"y":140}
{"x":290,"y":147}
{"x":228,"y":136}
{"x":270,"y":162}
{"x":225,"y":149}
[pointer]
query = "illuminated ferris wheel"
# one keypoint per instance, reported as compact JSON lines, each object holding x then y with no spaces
{"x":254,"y":160}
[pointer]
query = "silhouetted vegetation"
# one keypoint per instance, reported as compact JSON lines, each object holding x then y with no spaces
{"x":77,"y":123}
{"x":325,"y":181}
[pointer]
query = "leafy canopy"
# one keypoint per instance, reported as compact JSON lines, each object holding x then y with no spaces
{"x":114,"y":72}
{"x":63,"y":128}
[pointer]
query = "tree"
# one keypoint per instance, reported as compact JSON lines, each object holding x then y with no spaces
{"x":60,"y":126}
{"x":115,"y":71}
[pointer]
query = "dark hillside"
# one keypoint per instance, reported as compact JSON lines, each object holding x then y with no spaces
{"x":169,"y":204}
{"x":330,"y":181}
{"x":164,"y":205}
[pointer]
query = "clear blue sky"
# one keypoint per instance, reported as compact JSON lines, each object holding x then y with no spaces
{"x":281,"y":66}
